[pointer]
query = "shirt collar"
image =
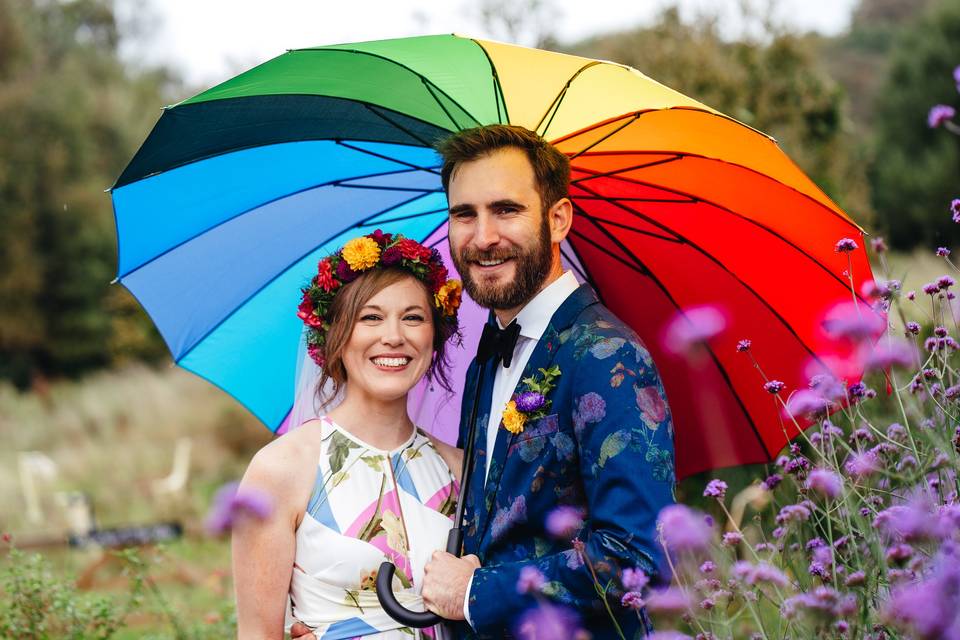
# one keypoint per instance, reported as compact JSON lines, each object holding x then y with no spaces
{"x":536,"y":314}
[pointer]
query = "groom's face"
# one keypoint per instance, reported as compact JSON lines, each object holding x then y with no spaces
{"x":499,"y":232}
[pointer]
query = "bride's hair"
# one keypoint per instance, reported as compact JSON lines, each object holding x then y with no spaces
{"x":344,"y":313}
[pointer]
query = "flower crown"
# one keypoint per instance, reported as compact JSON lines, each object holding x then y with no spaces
{"x":373,"y":251}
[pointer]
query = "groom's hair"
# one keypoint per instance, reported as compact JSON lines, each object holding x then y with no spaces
{"x":551,"y":167}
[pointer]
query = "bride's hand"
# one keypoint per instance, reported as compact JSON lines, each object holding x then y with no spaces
{"x":300,"y":631}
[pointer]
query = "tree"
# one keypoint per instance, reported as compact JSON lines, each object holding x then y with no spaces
{"x":774,"y":84}
{"x":916,"y":170}
{"x":71,"y":114}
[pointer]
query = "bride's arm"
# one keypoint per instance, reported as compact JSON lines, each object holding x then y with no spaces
{"x":263,"y":550}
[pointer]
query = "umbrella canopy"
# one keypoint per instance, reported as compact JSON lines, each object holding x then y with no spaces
{"x":237,"y":192}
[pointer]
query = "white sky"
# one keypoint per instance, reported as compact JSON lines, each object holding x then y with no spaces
{"x":211,"y":40}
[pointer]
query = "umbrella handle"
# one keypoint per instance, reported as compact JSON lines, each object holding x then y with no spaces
{"x":417,"y":619}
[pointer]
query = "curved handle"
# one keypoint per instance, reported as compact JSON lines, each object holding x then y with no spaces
{"x":418,"y":619}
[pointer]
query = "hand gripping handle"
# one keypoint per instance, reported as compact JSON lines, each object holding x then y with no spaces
{"x":417,"y":619}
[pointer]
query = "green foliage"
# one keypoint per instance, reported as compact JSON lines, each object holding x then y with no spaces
{"x":775,"y":85}
{"x":916,"y":171}
{"x":36,"y":604}
{"x":71,"y":115}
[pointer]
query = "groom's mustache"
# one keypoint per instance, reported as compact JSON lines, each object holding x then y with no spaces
{"x":475,"y":255}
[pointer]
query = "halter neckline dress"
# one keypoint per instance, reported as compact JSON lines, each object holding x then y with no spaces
{"x":369,"y":505}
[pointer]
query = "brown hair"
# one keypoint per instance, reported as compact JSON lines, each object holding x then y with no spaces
{"x":551,"y":167}
{"x":343,"y":316}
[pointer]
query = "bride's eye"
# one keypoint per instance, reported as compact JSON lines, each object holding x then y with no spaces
{"x":414,"y":317}
{"x":370,"y":317}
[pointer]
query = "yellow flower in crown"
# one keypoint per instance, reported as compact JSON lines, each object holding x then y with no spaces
{"x":361,"y":253}
{"x":448,"y":298}
{"x":513,"y":420}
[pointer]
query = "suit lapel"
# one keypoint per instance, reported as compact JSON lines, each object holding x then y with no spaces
{"x":474,"y":505}
{"x":542,"y":357}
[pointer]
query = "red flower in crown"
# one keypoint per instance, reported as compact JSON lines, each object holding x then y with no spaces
{"x":381,"y":238}
{"x":437,"y":276}
{"x":325,"y":279}
{"x":306,"y":312}
{"x":413,"y":250}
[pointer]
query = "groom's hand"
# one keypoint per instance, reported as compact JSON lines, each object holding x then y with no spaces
{"x":445,"y":580}
{"x":300,"y":631}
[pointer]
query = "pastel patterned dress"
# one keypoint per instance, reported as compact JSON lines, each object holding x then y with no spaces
{"x":367,"y":506}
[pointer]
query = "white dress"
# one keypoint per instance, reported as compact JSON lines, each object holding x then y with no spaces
{"x":367,"y":506}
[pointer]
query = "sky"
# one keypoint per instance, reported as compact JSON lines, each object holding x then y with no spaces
{"x":211,"y":40}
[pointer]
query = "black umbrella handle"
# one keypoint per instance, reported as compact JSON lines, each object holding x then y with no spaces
{"x":389,"y":602}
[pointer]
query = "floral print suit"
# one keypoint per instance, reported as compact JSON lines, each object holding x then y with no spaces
{"x":606,"y":446}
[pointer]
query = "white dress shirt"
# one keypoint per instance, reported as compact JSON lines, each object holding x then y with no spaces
{"x":533,"y":320}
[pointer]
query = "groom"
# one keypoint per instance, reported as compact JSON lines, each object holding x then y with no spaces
{"x":601,"y":439}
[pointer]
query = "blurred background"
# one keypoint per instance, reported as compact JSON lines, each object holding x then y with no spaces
{"x":98,"y":429}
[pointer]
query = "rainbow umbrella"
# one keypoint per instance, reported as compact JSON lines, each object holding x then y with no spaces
{"x":237,"y":192}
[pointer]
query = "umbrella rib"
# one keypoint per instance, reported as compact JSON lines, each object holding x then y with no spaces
{"x":498,"y":96}
{"x":383,"y":188}
{"x":329,"y":183}
{"x":674,"y":239}
{"x":614,"y":172}
{"x":376,"y":112}
{"x":626,"y":263}
{"x":721,"y":207}
{"x":713,"y":259}
{"x":402,"y":66}
{"x":386,"y":157}
{"x":606,"y":136}
{"x":630,"y":118}
{"x":442,"y":106}
{"x":356,"y":225}
{"x":713,"y":355}
{"x":558,"y":99}
{"x":410,"y":217}
{"x":577,"y":265}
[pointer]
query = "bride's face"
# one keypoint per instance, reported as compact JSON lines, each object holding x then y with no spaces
{"x":392,"y":342}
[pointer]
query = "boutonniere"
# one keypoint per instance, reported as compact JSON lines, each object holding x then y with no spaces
{"x":532,"y":402}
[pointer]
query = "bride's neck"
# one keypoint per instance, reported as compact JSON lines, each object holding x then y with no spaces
{"x":385,"y":425}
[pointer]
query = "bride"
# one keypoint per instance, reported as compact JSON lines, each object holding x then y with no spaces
{"x":361,"y":484}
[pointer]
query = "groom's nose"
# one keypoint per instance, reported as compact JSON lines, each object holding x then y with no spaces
{"x":487,"y":232}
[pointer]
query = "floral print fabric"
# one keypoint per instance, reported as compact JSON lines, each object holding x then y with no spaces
{"x":367,"y":506}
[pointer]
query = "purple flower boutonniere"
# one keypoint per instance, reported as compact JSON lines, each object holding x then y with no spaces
{"x":532,"y":403}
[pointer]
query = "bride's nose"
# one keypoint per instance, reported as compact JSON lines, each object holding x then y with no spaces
{"x":392,"y":332}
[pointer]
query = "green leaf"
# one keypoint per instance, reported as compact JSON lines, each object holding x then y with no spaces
{"x":613,"y":445}
{"x":340,"y":446}
{"x":374,"y":462}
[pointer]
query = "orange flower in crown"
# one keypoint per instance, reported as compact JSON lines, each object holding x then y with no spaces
{"x":377,"y":250}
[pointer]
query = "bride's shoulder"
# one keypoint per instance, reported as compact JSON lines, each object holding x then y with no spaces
{"x":287,"y":456}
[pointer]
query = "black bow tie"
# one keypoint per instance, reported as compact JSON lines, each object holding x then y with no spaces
{"x":498,"y":343}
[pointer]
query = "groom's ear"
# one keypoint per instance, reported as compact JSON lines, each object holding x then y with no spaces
{"x":560,"y":218}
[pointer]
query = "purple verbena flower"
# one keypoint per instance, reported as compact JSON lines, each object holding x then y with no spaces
{"x":854,"y":579}
{"x":893,"y":352}
{"x":715,"y":489}
{"x":632,"y":600}
{"x":955,"y":209}
{"x":531,"y":580}
{"x":743,"y":345}
{"x":943,"y":252}
{"x":692,"y":327}
{"x":732,"y":538}
{"x":862,"y":464}
{"x":670,"y":601}
{"x":807,"y":403}
{"x":774,"y":386}
{"x":771,"y":481}
{"x":931,"y":288}
{"x":634,"y":579}
{"x":853,"y":322}
{"x":547,"y":622}
{"x":564,"y":521}
{"x":793,"y":513}
{"x":683,"y":529}
{"x":708,"y":567}
{"x":878,"y":244}
{"x":940,"y":113}
{"x":945,"y":282}
{"x":231,"y":505}
{"x":913,"y":327}
{"x":845,"y":245}
{"x":825,"y":482}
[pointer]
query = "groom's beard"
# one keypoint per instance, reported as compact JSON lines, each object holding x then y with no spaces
{"x":531,"y":268}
